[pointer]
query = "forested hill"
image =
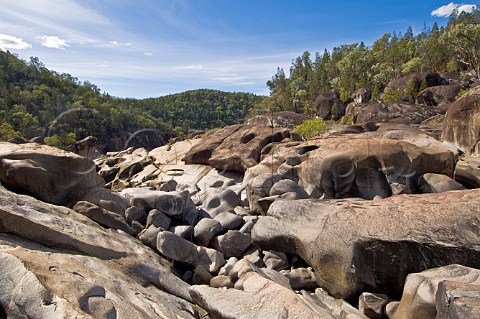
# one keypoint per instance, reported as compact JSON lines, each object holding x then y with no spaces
{"x":35,"y":101}
{"x":348,"y":67}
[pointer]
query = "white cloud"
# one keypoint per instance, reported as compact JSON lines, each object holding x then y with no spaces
{"x":148,"y":53}
{"x":467,"y":8}
{"x":446,"y":10}
{"x":51,"y":41}
{"x":11,"y":42}
{"x":190,"y":67}
{"x":124,"y":44}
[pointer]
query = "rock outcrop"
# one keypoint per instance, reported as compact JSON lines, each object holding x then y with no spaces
{"x":393,"y":112}
{"x":462,"y":123}
{"x":47,"y":173}
{"x":277,"y":119}
{"x":356,"y":246}
{"x":439,"y":96}
{"x":451,"y":291}
{"x":235,"y":148}
{"x":260,"y":298}
{"x":57,"y":263}
{"x":329,"y":106}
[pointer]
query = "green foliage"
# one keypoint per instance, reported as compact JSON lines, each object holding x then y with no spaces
{"x":423,"y":85}
{"x":8,"y":132}
{"x":346,"y":120}
{"x":61,"y":141}
{"x":392,"y":95}
{"x":411,"y":91}
{"x":461,"y":93}
{"x":311,"y":128}
{"x":35,"y":101}
{"x":353,"y":66}
{"x":411,"y":66}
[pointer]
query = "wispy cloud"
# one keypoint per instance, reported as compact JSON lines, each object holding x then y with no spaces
{"x":148,"y":53}
{"x":447,"y":10}
{"x":122,"y":44}
{"x":51,"y":41}
{"x":11,"y":42}
{"x":190,"y":67}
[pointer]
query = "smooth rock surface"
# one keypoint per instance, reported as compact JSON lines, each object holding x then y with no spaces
{"x":260,"y":298}
{"x":355,"y":246}
{"x":47,"y":173}
{"x":54,"y":255}
{"x":419,"y":298}
{"x":462,"y":123}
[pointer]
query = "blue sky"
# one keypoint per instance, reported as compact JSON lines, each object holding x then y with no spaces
{"x":149,"y":48}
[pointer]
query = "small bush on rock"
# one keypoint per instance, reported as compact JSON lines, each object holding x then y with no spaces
{"x":311,"y":128}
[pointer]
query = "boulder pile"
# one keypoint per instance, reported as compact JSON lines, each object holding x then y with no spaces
{"x":372,"y":221}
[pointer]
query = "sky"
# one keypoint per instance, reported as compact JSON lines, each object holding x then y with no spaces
{"x":150,"y":48}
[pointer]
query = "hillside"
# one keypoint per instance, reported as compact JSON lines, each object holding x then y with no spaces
{"x":349,"y":67}
{"x":35,"y":101}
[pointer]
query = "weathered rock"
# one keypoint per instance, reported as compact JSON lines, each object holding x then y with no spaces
{"x":401,"y":84}
{"x":183,"y":231}
{"x":258,"y":188}
{"x":457,"y":300}
{"x":394,"y":112}
{"x":135,"y":213}
{"x":219,"y":200}
{"x":47,"y":173}
{"x":438,"y":95}
{"x":240,"y":268}
{"x":57,"y":263}
{"x":462,"y":123}
{"x":190,"y":217}
{"x":328,"y":307}
{"x":201,"y":276}
{"x":149,"y":236}
{"x":420,"y":293}
{"x":225,"y":270}
{"x":107,"y":199}
{"x":181,"y":250}
{"x":276,"y":260}
{"x":260,"y":298}
{"x":86,"y":147}
{"x":254,"y":256}
{"x":221,"y":281}
{"x":436,"y":183}
{"x":467,"y":172}
{"x":206,"y":230}
{"x":202,"y":152}
{"x":247,"y":227}
{"x":172,"y":204}
{"x":229,"y":221}
{"x":329,"y":106}
{"x":235,"y":147}
{"x":269,"y":274}
{"x":130,"y":164}
{"x":356,"y":246}
{"x":288,"y":186}
{"x":278,"y":119}
{"x":301,"y":279}
{"x":158,"y":219}
{"x":232,"y":244}
{"x":345,"y":167}
{"x":372,"y":305}
{"x":103,"y":217}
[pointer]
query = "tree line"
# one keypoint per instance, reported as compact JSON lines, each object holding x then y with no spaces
{"x":348,"y":67}
{"x":35,"y":101}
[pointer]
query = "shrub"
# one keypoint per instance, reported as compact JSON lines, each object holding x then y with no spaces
{"x":61,"y":141}
{"x":346,"y":120}
{"x":392,"y":95}
{"x":311,"y":128}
